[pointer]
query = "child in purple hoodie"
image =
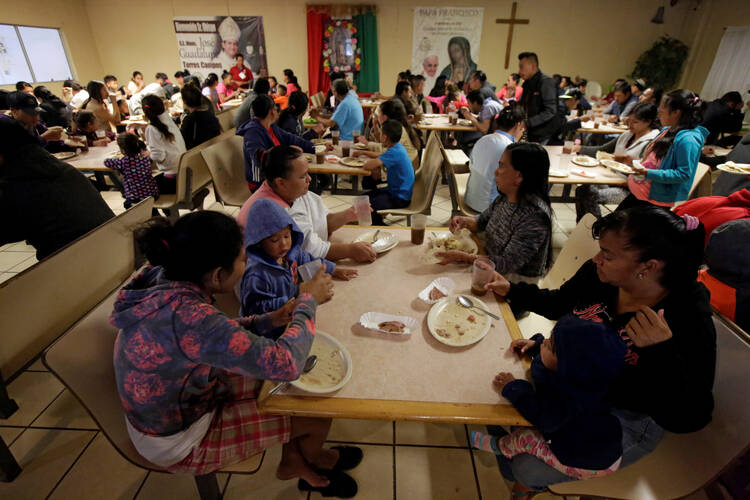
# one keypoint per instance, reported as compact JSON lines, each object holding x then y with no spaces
{"x":189,"y":377}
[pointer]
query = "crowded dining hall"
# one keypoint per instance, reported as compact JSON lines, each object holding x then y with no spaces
{"x":301,"y":251}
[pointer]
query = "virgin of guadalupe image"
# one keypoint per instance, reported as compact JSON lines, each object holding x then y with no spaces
{"x":461,"y":65}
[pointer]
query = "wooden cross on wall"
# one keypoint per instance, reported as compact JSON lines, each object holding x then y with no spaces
{"x":511,"y":23}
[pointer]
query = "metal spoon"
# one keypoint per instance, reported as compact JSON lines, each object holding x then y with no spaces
{"x":467,"y":302}
{"x":309,"y":365}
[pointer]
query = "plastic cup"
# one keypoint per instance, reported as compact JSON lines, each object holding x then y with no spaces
{"x":345,"y":147}
{"x":307,"y":271}
{"x":320,"y":154}
{"x":568,"y":147}
{"x":355,"y":134}
{"x":362,"y":209}
{"x":335,"y":134}
{"x":482,"y":272}
{"x":418,"y":225}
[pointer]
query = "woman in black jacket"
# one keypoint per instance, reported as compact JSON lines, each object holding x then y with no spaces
{"x":643,"y":284}
{"x":54,"y":111}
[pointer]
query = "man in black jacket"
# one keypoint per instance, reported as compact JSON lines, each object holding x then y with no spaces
{"x":722,"y":116}
{"x":540,"y":100}
{"x":43,"y":200}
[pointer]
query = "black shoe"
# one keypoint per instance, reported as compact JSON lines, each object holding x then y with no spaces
{"x":341,"y":485}
{"x":349,"y":457}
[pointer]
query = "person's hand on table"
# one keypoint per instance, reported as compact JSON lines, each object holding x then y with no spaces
{"x":520,"y":346}
{"x":501,"y":380}
{"x":320,"y":286}
{"x":344,"y":274}
{"x":647,"y":327}
{"x":361,"y":139}
{"x":449,"y":256}
{"x":283,"y":315}
{"x":329,"y":147}
{"x":576,"y":148}
{"x":319,"y":129}
{"x":612,"y":119}
{"x":362,"y":251}
{"x":460,"y":222}
{"x":499,"y":285}
{"x":708,"y":150}
{"x":466,"y":113}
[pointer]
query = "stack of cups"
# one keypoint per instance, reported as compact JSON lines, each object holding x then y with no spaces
{"x":362,"y":208}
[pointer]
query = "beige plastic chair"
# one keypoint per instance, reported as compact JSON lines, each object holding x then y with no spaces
{"x":40,"y":303}
{"x":458,"y":184}
{"x":226,"y":119}
{"x":193,"y":177}
{"x":580,"y":247}
{"x":593,"y":89}
{"x":226,"y":162}
{"x":425,"y":182}
{"x":684,"y":463}
{"x":702,"y":184}
{"x":317,"y":100}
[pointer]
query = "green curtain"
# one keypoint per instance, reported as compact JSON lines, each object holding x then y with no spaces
{"x":368,"y":78}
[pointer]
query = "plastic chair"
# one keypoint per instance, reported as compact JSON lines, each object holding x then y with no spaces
{"x":226,"y":120}
{"x":82,"y":360}
{"x":593,"y":89}
{"x":425,"y":182}
{"x":458,"y":183}
{"x":684,"y":463}
{"x":226,"y":162}
{"x":580,"y":247}
{"x":701,"y":186}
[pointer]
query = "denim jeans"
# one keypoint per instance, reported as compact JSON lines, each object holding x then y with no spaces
{"x":640,"y":436}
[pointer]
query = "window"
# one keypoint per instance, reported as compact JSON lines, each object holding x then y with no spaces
{"x":32,"y":55}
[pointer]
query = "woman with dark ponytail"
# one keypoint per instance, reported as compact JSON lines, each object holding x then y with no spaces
{"x":209,"y":89}
{"x":164,"y":142}
{"x":643,"y":283}
{"x":670,"y":162}
{"x":188,"y":375}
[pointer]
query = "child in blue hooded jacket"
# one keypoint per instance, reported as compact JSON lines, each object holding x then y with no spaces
{"x":273,"y":243}
{"x":574,"y":431}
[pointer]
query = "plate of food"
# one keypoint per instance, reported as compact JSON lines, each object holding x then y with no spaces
{"x":464,"y":122}
{"x":384,"y":241}
{"x":618,"y":167}
{"x":388,"y":323}
{"x":556,"y":172}
{"x":333,"y":369}
{"x":359,"y":145}
{"x":310,"y":121}
{"x":320,"y":141}
{"x":455,"y":325}
{"x":350,"y":161}
{"x":601,"y":155}
{"x":735,"y":168}
{"x":441,"y":242}
{"x":64,"y":155}
{"x":585,"y":161}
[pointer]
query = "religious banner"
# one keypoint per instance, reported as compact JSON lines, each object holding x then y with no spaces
{"x":340,"y":50}
{"x":211,"y":44}
{"x":446,"y":42}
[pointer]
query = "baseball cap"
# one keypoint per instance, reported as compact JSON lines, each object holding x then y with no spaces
{"x":572,"y":94}
{"x":25,"y":102}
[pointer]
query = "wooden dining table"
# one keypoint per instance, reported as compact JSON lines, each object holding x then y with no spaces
{"x":407,"y":377}
{"x":563,"y":164}
{"x":441,"y":123}
{"x":334,"y":167}
{"x":93,"y":161}
{"x":604,"y":128}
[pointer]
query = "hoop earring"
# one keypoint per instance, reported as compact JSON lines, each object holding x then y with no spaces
{"x":640,"y":276}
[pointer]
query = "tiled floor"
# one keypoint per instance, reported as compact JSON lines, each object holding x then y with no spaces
{"x":64,"y":456}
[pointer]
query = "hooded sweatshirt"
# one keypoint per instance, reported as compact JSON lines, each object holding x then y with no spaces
{"x":673,"y":179}
{"x":569,"y":406}
{"x":174,"y":351}
{"x":267,"y":285}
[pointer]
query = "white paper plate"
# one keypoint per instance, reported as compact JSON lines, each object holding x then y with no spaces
{"x":601,"y":155}
{"x":344,"y":357}
{"x":553,"y":172}
{"x":359,"y":145}
{"x":386,"y":240}
{"x":735,"y":168}
{"x":585,"y":161}
{"x":371,"y":320}
{"x":64,"y":155}
{"x":441,"y":305}
{"x":352,"y":162}
{"x":445,"y":285}
{"x":582,"y":173}
{"x":616,"y":166}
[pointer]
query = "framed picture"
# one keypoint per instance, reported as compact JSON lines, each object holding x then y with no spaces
{"x":340,"y":49}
